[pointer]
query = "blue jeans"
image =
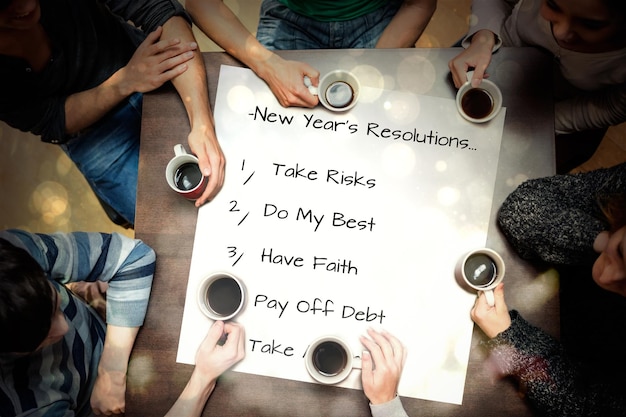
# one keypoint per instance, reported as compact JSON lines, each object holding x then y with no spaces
{"x":107,"y":154}
{"x":281,"y":29}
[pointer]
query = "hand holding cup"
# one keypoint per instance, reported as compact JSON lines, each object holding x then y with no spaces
{"x":478,"y":104}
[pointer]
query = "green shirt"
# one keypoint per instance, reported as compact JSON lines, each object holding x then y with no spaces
{"x":333,"y":10}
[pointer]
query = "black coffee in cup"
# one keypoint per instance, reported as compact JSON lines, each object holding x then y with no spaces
{"x":187,"y":176}
{"x":477,"y":103}
{"x":330,"y":358}
{"x":480,"y":270}
{"x":224,"y":296}
{"x":339,"y":94}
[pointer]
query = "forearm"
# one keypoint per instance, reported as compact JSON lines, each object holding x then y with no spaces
{"x":192,"y":400}
{"x":87,"y":107}
{"x":220,"y":24}
{"x":192,"y":84}
{"x":408,"y":24}
{"x":118,"y":344}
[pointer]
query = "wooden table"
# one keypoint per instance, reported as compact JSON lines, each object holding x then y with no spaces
{"x":167,"y":223}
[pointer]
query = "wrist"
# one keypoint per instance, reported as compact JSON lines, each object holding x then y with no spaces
{"x":118,"y":85}
{"x":484,"y":38}
{"x":202,"y":385}
{"x":265,"y":63}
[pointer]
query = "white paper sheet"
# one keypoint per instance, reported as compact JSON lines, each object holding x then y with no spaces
{"x":337,"y":222}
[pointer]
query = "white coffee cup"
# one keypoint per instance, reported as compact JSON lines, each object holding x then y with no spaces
{"x":183,"y":174}
{"x":482,"y":270}
{"x":478,"y":104}
{"x":221,"y":296}
{"x":337,"y":90}
{"x":329,"y":360}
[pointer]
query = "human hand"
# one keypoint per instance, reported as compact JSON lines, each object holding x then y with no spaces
{"x":155,"y":62}
{"x":382,"y":366}
{"x":109,"y":392}
{"x":286,"y":80}
{"x":212,"y":357}
{"x":495,"y":319}
{"x":204,"y":144}
{"x":476,"y":56}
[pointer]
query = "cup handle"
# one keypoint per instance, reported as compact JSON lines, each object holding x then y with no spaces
{"x":490,"y":298}
{"x":356,"y":362}
{"x":307,"y":82}
{"x":469,"y":75}
{"x":179,"y":150}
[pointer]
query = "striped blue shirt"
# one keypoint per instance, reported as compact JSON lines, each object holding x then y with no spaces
{"x":58,"y":380}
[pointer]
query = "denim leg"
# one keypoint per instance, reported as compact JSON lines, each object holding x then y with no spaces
{"x":281,"y":29}
{"x":107,"y":154}
{"x":364,"y":31}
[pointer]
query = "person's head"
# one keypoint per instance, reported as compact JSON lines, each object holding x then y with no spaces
{"x":30,"y":317}
{"x":19,"y":14}
{"x":587,"y":25}
{"x":609,"y":270}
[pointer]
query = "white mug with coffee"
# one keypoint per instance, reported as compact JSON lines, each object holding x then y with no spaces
{"x":183,"y":174}
{"x":482,"y":270}
{"x":337,"y":90}
{"x":478,"y":104}
{"x":221,"y":296}
{"x":329,"y":360}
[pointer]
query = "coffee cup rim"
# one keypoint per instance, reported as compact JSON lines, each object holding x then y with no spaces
{"x":495,"y":256}
{"x":202,"y":290}
{"x":335,"y":379}
{"x":338,"y":75}
{"x":488,"y":86}
{"x":170,"y":169}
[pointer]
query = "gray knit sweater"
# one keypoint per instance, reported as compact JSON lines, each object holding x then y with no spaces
{"x":553,"y":384}
{"x":556,"y":219}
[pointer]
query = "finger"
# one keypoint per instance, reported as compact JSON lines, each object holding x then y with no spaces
{"x":170,"y":60}
{"x":498,"y":294}
{"x":304,"y":98}
{"x":235,"y":339}
{"x":477,"y":304}
{"x":475,"y":81}
{"x":399,"y":352}
{"x":169,"y":74}
{"x":367,"y":365}
{"x":458,"y":68}
{"x":214,"y":185}
{"x":374,"y":349}
{"x":382,"y":341}
{"x":479,"y":74}
{"x":216,"y":331}
{"x":313,"y":74}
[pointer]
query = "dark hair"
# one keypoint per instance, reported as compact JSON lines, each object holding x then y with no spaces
{"x":25,"y":300}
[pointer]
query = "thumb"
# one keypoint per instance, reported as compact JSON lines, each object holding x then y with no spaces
{"x":215,"y":332}
{"x":366,"y":363}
